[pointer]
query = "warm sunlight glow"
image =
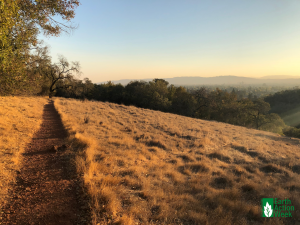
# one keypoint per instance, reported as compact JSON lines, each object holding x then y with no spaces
{"x":138,"y":40}
{"x":150,"y":112}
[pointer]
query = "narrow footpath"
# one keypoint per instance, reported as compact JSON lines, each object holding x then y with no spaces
{"x":47,"y":189}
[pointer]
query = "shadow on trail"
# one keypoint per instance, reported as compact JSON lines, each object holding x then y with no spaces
{"x":48,"y":190}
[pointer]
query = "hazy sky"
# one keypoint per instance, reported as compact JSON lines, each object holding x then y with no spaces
{"x":136,"y":39}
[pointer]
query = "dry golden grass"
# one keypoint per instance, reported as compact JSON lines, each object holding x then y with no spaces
{"x":20,"y":117}
{"x":148,"y":167}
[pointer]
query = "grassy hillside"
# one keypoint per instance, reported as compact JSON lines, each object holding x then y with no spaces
{"x":20,"y":117}
{"x":148,"y":167}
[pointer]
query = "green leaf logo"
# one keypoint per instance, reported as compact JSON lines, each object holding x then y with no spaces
{"x":268,"y":210}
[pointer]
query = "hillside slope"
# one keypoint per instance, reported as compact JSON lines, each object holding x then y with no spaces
{"x":148,"y":167}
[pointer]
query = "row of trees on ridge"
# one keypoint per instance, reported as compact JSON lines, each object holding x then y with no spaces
{"x":216,"y":105}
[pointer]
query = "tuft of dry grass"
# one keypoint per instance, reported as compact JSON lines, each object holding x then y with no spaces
{"x":147,"y":167}
{"x":20,"y":117}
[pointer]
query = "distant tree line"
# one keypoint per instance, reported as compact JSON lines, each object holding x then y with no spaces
{"x":287,"y":104}
{"x":202,"y":103}
{"x":252,"y":92}
{"x":284,"y":101}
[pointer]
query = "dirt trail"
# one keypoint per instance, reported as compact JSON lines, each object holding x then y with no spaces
{"x":47,"y":189}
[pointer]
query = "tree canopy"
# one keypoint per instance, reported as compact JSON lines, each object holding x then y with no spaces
{"x":20,"y":23}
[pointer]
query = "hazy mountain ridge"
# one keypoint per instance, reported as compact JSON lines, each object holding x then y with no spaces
{"x":280,"y":77}
{"x":223,"y":80}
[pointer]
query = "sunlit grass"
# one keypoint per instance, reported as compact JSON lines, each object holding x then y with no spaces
{"x":20,"y":117}
{"x":148,"y":167}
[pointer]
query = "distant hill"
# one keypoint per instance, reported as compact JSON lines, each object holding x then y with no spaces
{"x":224,"y":80}
{"x":286,"y":104}
{"x":280,"y":77}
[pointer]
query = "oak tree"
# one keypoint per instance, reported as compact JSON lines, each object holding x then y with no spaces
{"x":20,"y":23}
{"x":60,"y":74}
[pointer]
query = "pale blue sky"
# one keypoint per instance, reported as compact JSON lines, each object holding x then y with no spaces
{"x":136,"y":39}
